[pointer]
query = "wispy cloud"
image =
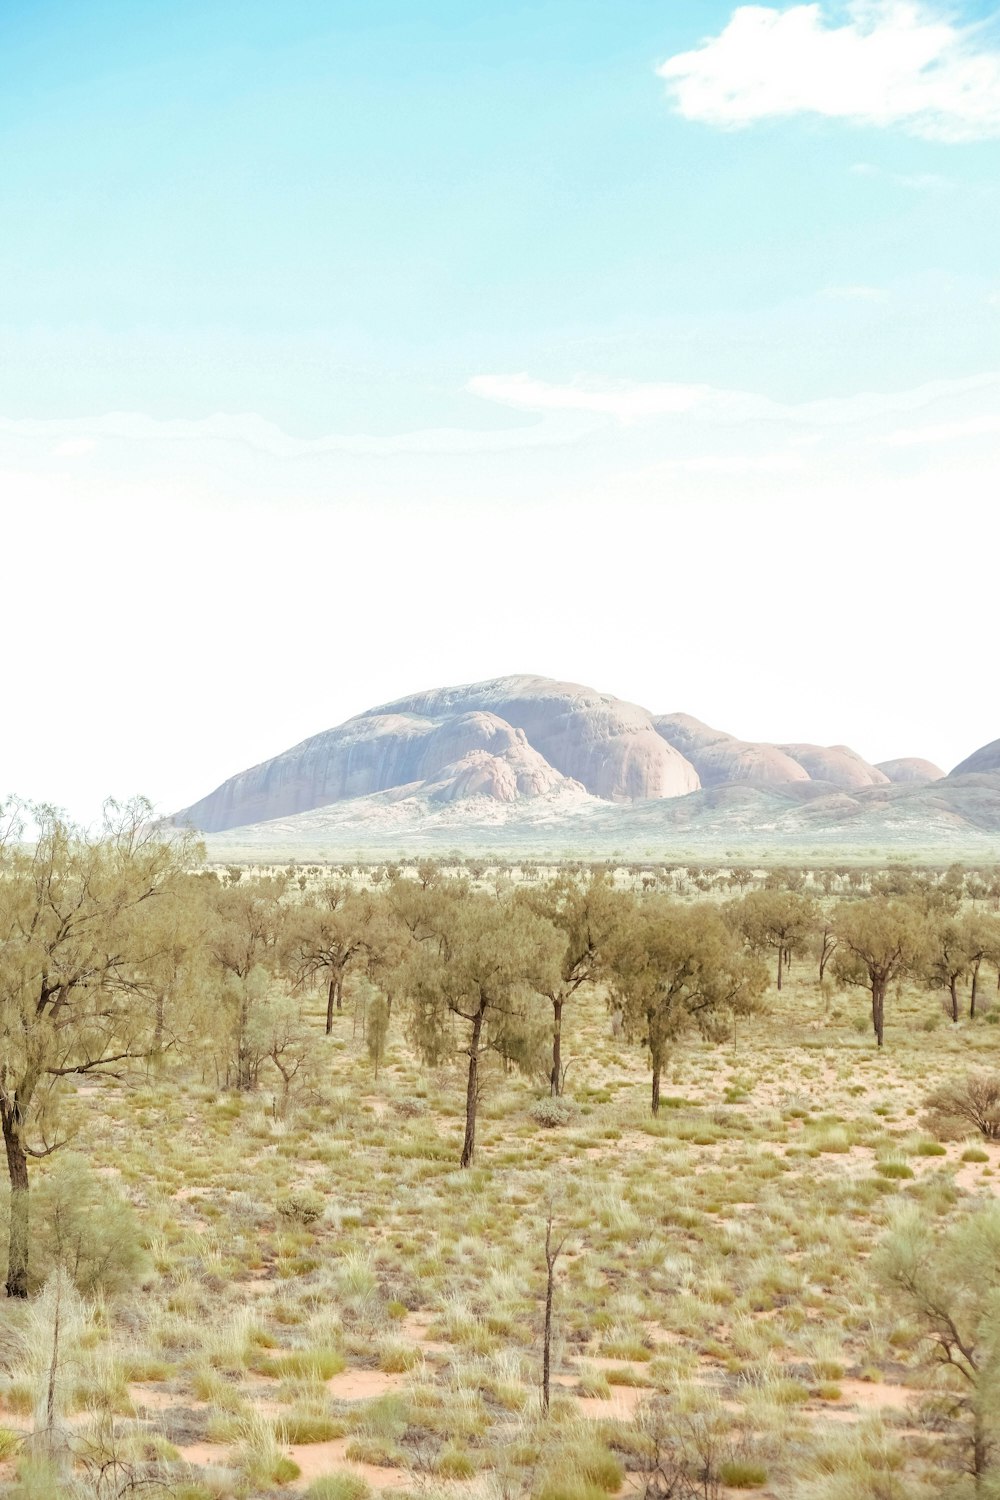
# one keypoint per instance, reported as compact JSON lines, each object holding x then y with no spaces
{"x":918,"y":182}
{"x":637,"y":401}
{"x":892,"y":62}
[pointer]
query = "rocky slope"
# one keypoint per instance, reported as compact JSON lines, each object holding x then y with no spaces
{"x":531,"y":752}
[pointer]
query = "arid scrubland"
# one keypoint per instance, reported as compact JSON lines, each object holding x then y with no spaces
{"x":258,"y":1268}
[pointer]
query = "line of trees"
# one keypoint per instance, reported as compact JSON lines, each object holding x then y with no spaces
{"x":117,"y":946}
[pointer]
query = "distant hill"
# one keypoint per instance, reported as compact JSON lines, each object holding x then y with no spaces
{"x":526,"y":757}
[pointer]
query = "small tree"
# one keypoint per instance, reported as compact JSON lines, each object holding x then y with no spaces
{"x":879,"y":941}
{"x":675,"y":968}
{"x":950,"y":1283}
{"x":778,"y":919}
{"x":78,"y":960}
{"x":329,"y":936}
{"x":485,"y":968}
{"x":243,"y":943}
{"x":974,"y":1101}
{"x":584,"y":917}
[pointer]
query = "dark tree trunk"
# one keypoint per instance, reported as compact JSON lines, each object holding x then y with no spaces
{"x":472,"y":1090}
{"x":244,"y":1061}
{"x":878,"y":1009}
{"x":17,"y":1168}
{"x":953,"y":991}
{"x":974,"y":989}
{"x":551,"y":1257}
{"x":656,"y":1087}
{"x":781,"y":960}
{"x":331,"y":999}
{"x":555,"y":1078}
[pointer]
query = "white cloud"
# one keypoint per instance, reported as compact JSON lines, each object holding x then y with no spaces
{"x":892,"y":62}
{"x":634,"y":401}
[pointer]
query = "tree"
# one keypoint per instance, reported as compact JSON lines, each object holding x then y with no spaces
{"x":948,"y":957}
{"x":674,"y":968}
{"x":485,"y":968}
{"x":78,"y":961}
{"x":243,"y":941}
{"x":975,"y":1101}
{"x":879,"y":941}
{"x":950,"y":1283}
{"x":584,"y":917}
{"x":329,"y":935}
{"x":778,"y":919}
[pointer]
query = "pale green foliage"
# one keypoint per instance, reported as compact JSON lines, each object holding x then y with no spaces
{"x":675,"y":969}
{"x":85,"y":1226}
{"x":950,"y":1283}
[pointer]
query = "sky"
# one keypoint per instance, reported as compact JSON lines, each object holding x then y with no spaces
{"x":349,"y":349}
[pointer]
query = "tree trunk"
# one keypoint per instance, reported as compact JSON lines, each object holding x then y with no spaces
{"x":878,"y":1009}
{"x":974,"y":988}
{"x":555,"y":1079}
{"x":953,"y":991}
{"x":472,"y":1090}
{"x":331,"y":997}
{"x":550,"y":1270}
{"x":17,"y":1168}
{"x":244,"y":1070}
{"x":656,"y":1086}
{"x":781,"y":960}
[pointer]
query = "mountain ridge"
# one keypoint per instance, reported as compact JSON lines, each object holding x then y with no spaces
{"x":533,"y":752}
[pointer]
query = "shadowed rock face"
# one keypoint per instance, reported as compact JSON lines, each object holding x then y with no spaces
{"x":987,"y":758}
{"x":721,"y":758}
{"x":508,"y":738}
{"x":610,"y":746}
{"x":837,"y":764}
{"x":910,"y":771}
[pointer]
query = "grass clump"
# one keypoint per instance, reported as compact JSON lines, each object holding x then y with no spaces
{"x":742,"y":1474}
{"x":339,"y":1487}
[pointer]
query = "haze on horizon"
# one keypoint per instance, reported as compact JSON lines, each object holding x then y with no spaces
{"x":349,"y":352}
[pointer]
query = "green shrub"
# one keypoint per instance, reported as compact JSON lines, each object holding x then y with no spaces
{"x":339,"y":1487}
{"x":307,"y":1429}
{"x":893,"y":1169}
{"x":741,"y":1474}
{"x":975,"y":1153}
{"x":931,"y":1148}
{"x":551,"y":1113}
{"x":81,"y":1222}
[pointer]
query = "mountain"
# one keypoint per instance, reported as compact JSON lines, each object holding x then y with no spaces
{"x":910,"y":769}
{"x":985,"y":759}
{"x":556,"y":763}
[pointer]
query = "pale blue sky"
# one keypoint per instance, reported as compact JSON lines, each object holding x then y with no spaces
{"x":353,"y":225}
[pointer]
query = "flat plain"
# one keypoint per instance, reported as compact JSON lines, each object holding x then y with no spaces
{"x":328,"y":1306}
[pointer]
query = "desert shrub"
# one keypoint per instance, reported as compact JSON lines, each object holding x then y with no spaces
{"x":551,"y":1113}
{"x":975,"y":1153}
{"x":974,"y":1100}
{"x":304,"y":1206}
{"x":80,"y":1222}
{"x":742,"y":1474}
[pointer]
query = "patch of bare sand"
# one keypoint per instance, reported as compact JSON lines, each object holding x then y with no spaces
{"x":362,"y":1385}
{"x":319,"y":1459}
{"x":204,"y":1455}
{"x":870,"y":1396}
{"x":621,"y":1404}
